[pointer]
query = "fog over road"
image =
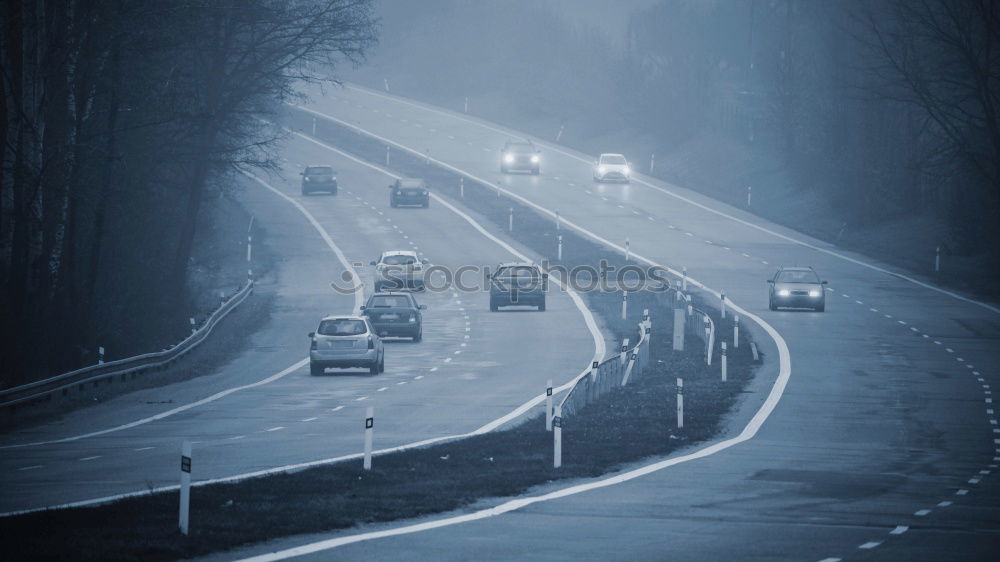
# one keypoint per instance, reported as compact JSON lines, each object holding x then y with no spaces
{"x":471,"y":368}
{"x":883,"y":443}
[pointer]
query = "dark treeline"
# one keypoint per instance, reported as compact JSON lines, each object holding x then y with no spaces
{"x":880,"y":110}
{"x":119,"y":119}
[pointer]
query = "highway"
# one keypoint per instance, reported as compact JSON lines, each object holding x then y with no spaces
{"x":263,"y":410}
{"x":883,"y":441}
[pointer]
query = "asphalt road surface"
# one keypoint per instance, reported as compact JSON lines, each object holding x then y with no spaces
{"x":472,"y":367}
{"x":883,"y":444}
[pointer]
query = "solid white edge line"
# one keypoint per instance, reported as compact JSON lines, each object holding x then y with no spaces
{"x":587,"y":160}
{"x":748,"y":432}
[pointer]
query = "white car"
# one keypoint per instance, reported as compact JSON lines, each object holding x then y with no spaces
{"x":611,"y":167}
{"x":396,"y":270}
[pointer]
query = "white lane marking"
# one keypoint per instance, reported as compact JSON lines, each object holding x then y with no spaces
{"x":401,"y":382}
{"x":748,"y":432}
{"x":32,"y":467}
{"x":961,"y":492}
{"x":143,"y":449}
{"x":899,"y":530}
{"x":418,"y":377}
{"x":971,"y":480}
{"x":235,"y":437}
{"x":921,"y":512}
{"x":434,"y":369}
{"x":361,"y":398}
{"x":945,"y":503}
{"x":447,"y":359}
{"x":169,"y":413}
{"x":382,"y":389}
{"x":90,"y":458}
{"x":831,"y":560}
{"x":587,"y":159}
{"x":869,"y":545}
{"x":337,"y":409}
{"x":277,"y":428}
{"x":309,"y":419}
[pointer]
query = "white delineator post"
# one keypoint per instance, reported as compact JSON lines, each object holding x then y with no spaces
{"x":386,"y":155}
{"x":624,"y":304}
{"x":558,"y":220}
{"x":548,"y":406}
{"x":510,"y":220}
{"x":628,"y":250}
{"x":314,"y":127}
{"x":369,"y":429}
{"x":684,"y":278}
{"x":736,"y":332}
{"x":749,"y":190}
{"x":722,"y":306}
{"x":708,"y":344}
{"x":623,"y":354}
{"x":100,"y":355}
{"x":461,"y":187}
{"x":559,"y":134}
{"x":652,"y":162}
{"x":722,"y":361}
{"x":557,"y":438}
{"x":183,"y":520}
{"x":193,"y":328}
{"x":937,"y":259}
{"x":680,"y":403}
{"x":427,"y":157}
{"x":466,"y":104}
{"x":386,"y":81}
{"x":679,"y":319}
{"x":559,"y":248}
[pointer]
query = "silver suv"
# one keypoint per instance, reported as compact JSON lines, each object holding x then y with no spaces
{"x":396,"y":270}
{"x":345,"y":341}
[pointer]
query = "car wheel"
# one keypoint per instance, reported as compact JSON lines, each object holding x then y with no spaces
{"x":535,"y":172}
{"x":493,"y":306}
{"x":305,"y":192}
{"x":333,"y":191}
{"x":374,"y":368}
{"x":378,"y":287}
{"x":392,"y":203}
{"x":503,"y":169}
{"x":770,"y":304}
{"x":821,"y":308}
{"x":541,"y":307}
{"x":427,"y":203}
{"x":419,"y":336}
{"x":315,"y":369}
{"x":381,"y":363}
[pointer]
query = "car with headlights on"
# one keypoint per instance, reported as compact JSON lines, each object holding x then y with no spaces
{"x":319,"y":178}
{"x":409,"y":192}
{"x":796,"y":287}
{"x":395,"y":315}
{"x":520,"y":156}
{"x":397,"y":270}
{"x":518,"y":284}
{"x":612,"y":168}
{"x":343,"y":342}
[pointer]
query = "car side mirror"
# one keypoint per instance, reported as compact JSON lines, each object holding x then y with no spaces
{"x":312,"y":334}
{"x":362,"y":308}
{"x":422,"y":307}
{"x":822,"y":282}
{"x":770,"y":281}
{"x":545,"y":276}
{"x":424,"y":261}
{"x":391,"y":186}
{"x":371,"y":262}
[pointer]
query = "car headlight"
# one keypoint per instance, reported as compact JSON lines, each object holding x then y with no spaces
{"x":508,"y":158}
{"x":424,"y":192}
{"x":305,"y":178}
{"x":814,"y":293}
{"x":601,"y":170}
{"x":535,"y":159}
{"x":626,"y":171}
{"x":784,"y":292}
{"x":413,"y":318}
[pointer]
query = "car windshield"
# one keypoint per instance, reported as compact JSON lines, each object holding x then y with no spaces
{"x":797,"y":276}
{"x":319,"y":170}
{"x":613,"y":159}
{"x":399,"y":260}
{"x":389,"y":301}
{"x":519,"y":271}
{"x":520,"y":147}
{"x":342,"y":327}
{"x":411,"y":183}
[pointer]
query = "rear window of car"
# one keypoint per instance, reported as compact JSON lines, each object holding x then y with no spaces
{"x":519,"y":271}
{"x":411,"y":183}
{"x":342,"y":327}
{"x":800,"y":276}
{"x":399,"y":260}
{"x":613,"y":159}
{"x":387,"y":301}
{"x":318,"y":170}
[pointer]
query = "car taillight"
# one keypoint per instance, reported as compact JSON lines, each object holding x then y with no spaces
{"x":371,"y":342}
{"x":312,"y":346}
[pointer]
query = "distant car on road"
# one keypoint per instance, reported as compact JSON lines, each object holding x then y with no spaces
{"x":397,"y":270}
{"x":518,"y":284}
{"x":520,"y":155}
{"x":345,"y":341}
{"x":395,"y":315}
{"x":409,"y":191}
{"x":612,"y":167}
{"x":319,"y":178}
{"x":796,"y":287}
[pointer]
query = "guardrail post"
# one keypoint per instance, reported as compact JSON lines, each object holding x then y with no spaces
{"x":722,"y":307}
{"x":684,"y":278}
{"x":624,"y":304}
{"x":559,"y":248}
{"x":557,"y":438}
{"x":680,"y":403}
{"x":722,"y":361}
{"x":185,"y":507}
{"x":548,"y":406}
{"x":369,"y":429}
{"x":736,"y":332}
{"x":100,"y":355}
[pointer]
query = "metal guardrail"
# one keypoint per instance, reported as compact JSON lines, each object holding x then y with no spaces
{"x":105,"y":372}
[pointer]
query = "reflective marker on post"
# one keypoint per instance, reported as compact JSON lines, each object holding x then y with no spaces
{"x":624,"y":351}
{"x":627,"y":249}
{"x":557,"y":438}
{"x":559,"y":249}
{"x":100,"y":355}
{"x":680,"y":403}
{"x":722,"y":300}
{"x":548,"y":406}
{"x":708,"y":344}
{"x":369,"y":428}
{"x":593,"y":370}
{"x":722,"y":362}
{"x":193,"y":328}
{"x":185,"y":486}
{"x":624,"y":304}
